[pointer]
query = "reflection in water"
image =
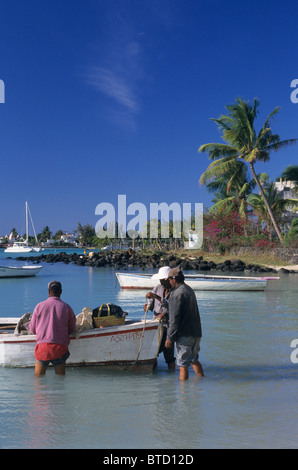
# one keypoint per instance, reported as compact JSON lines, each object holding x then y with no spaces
{"x":45,"y":413}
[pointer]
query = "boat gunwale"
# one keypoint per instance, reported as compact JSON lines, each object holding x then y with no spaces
{"x":203,"y":277}
{"x":25,"y":268}
{"x":131,"y":327}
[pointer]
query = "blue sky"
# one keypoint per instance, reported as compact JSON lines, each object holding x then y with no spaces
{"x":109,"y":97}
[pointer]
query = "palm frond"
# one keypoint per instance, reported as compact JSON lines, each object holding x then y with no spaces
{"x":216,"y":150}
{"x":216,"y":169}
{"x":221,"y":203}
{"x":244,"y":115}
{"x":281,"y":144}
{"x":252,"y":155}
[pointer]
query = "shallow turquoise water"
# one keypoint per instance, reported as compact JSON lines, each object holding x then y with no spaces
{"x":247,"y":399}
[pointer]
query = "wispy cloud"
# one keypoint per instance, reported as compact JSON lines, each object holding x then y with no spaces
{"x":117,"y":69}
{"x":113,"y":85}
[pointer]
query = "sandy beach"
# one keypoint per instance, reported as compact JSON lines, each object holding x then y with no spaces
{"x":293,"y":267}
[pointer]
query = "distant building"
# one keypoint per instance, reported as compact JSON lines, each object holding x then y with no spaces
{"x":194,"y":240}
{"x":69,"y":238}
{"x":285,"y":188}
{"x":286,"y":191}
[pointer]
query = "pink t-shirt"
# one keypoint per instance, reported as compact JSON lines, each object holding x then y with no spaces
{"x":52,"y":321}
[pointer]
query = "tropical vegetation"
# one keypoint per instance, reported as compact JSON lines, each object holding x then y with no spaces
{"x":243,"y":147}
{"x":247,"y":209}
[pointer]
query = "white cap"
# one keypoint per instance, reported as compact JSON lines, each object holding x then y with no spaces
{"x":162,"y":273}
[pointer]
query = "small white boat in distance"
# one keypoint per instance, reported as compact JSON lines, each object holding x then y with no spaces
{"x":197,"y":282}
{"x":132,"y":346}
{"x":23,"y":246}
{"x":19,"y":271}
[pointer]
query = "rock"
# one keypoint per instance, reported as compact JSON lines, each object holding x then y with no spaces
{"x":133,"y":260}
{"x":227,"y":262}
{"x":203,"y":267}
{"x":284,"y":270}
{"x":227,"y":269}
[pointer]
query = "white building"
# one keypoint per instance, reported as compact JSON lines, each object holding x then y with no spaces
{"x":286,"y":191}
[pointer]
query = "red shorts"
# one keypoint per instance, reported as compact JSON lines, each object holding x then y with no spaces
{"x":49,"y":351}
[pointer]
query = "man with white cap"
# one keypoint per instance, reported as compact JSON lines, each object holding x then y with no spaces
{"x":157,"y":301}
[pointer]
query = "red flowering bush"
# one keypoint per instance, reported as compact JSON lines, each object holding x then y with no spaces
{"x":223,"y":229}
{"x":264,"y":244}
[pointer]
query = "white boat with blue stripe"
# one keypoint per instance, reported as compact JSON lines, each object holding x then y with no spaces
{"x":198,"y":282}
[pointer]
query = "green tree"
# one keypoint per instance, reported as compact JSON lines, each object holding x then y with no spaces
{"x":45,"y":234}
{"x":14,"y":232}
{"x":245,"y":144}
{"x":86,"y":234}
{"x":278,"y":205}
{"x":58,"y":235}
{"x":290,"y":173}
{"x":292,"y":235}
{"x":231,"y":189}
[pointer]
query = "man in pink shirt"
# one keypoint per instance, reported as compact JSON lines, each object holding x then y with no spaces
{"x":52,"y":322}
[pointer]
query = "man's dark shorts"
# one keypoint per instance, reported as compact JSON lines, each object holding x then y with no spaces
{"x":55,"y":362}
{"x":187,"y":348}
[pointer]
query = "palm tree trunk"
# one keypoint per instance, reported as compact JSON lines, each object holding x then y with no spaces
{"x":266,"y":204}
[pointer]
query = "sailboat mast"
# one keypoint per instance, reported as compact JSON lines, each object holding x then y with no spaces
{"x":27,"y":229}
{"x":32,"y":224}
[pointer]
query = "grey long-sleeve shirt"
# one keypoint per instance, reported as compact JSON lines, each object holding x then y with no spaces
{"x":184,"y":316}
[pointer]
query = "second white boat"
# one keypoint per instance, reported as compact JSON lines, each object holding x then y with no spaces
{"x":197,"y":282}
{"x":19,"y":271}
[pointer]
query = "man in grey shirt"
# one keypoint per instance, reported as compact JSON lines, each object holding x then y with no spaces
{"x":184,"y":325}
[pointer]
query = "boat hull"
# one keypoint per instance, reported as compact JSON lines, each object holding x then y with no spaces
{"x":25,"y":249}
{"x":204,"y":283}
{"x":24,"y":271}
{"x":130,"y":346}
{"x":18,"y":250}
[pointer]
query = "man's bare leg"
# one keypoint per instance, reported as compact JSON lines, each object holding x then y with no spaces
{"x":60,"y":370}
{"x":197,"y":367}
{"x":183,"y":373}
{"x":39,"y":368}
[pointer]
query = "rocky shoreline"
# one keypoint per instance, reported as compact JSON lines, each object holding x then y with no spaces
{"x":131,"y":259}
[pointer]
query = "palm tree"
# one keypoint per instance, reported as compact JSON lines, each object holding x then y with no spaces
{"x":233,"y":199}
{"x":45,"y":234}
{"x":290,"y":173}
{"x":277,"y":203}
{"x":245,"y":144}
{"x":232,"y":189}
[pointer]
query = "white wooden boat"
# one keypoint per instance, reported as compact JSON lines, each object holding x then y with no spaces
{"x":133,"y":345}
{"x":19,"y":271}
{"x":197,"y":282}
{"x":23,"y":246}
